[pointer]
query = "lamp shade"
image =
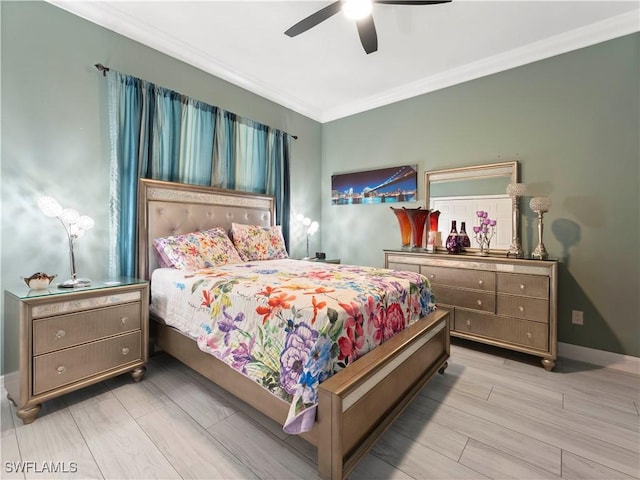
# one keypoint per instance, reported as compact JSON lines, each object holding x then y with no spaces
{"x":49,"y":206}
{"x":516,"y":189}
{"x":69,"y":216}
{"x":85,"y":222}
{"x":540,"y":204}
{"x":313,"y":228}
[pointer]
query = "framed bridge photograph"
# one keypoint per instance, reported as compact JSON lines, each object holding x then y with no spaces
{"x":384,"y":185}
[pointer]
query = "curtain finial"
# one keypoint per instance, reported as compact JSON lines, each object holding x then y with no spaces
{"x":102,"y":68}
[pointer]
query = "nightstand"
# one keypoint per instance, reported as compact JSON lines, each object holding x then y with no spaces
{"x":322,"y":260}
{"x":59,"y":340}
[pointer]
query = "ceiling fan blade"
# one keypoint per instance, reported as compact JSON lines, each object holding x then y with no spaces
{"x":314,"y":19}
{"x":368,"y":35}
{"x":409,"y":2}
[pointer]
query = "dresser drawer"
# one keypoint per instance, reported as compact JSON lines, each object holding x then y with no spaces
{"x":536,"y":309}
{"x":528,"y":285}
{"x":483,"y":301}
{"x":55,"y":333}
{"x":63,"y":367}
{"x":464,"y":278}
{"x":510,"y":330}
{"x":452,"y":312}
{"x":404,"y":267}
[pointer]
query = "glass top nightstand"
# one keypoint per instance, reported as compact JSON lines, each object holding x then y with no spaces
{"x":322,"y":260}
{"x":23,"y":292}
{"x":58,"y":340}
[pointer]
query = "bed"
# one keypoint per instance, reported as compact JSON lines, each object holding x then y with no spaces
{"x":354,"y":406}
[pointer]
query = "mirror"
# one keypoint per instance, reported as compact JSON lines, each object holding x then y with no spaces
{"x":460,"y":192}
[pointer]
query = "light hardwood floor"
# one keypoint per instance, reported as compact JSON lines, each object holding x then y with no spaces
{"x":493,"y":414}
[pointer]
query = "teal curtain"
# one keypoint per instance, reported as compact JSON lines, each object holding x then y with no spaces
{"x":160,"y":134}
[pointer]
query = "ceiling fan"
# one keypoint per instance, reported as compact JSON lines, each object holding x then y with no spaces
{"x":359,"y":10}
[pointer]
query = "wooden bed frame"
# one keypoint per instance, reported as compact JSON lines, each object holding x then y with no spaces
{"x":357,"y":404}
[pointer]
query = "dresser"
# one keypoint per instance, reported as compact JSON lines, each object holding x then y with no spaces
{"x":60,"y":340}
{"x":509,"y":303}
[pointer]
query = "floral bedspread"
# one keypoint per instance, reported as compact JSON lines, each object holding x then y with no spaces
{"x":290,"y":324}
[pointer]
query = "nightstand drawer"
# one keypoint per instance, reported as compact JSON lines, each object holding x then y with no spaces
{"x":60,"y":368}
{"x":476,"y":279}
{"x":521,"y":332}
{"x":483,"y":301}
{"x":527,"y":285}
{"x":536,"y":309}
{"x":64,"y":331}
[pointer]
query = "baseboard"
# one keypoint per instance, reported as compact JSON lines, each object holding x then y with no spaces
{"x":615,"y":361}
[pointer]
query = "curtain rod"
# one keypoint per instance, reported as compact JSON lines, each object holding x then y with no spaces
{"x":104,"y":71}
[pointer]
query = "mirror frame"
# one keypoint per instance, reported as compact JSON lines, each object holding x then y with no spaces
{"x":474,"y":172}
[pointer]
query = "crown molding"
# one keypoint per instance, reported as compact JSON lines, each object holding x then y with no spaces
{"x":611,"y":28}
{"x":107,"y":16}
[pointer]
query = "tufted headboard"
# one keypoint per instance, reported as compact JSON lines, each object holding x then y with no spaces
{"x":166,"y":208}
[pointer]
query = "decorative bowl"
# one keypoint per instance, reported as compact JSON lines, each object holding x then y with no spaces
{"x":39,"y":281}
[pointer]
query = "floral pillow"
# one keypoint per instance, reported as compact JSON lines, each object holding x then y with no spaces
{"x":258,"y":243}
{"x":196,"y":250}
{"x":219,"y":249}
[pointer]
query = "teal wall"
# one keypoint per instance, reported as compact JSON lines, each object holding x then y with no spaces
{"x":55,"y":139}
{"x":572,"y":123}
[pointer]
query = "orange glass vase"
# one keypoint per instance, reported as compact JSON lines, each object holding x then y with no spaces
{"x":433,"y":220}
{"x":418,"y":219}
{"x":405,"y":226}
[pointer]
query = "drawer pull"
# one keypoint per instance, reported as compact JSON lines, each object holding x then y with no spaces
{"x":522,"y":285}
{"x":124,"y":320}
{"x":432,"y":276}
{"x":528,"y":334}
{"x":468,"y":322}
{"x":125,"y":351}
{"x":61,"y":369}
{"x":479,"y":302}
{"x":521,"y":308}
{"x":60,"y":334}
{"x":480,"y":282}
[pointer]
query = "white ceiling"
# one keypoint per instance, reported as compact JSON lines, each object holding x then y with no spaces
{"x":325,"y":74}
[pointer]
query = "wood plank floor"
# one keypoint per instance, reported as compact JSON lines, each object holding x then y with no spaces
{"x":493,"y":414}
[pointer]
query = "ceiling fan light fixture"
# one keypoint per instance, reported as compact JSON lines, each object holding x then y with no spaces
{"x":357,"y":9}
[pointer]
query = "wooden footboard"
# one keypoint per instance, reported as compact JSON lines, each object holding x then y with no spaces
{"x":356,"y":405}
{"x":359,"y":403}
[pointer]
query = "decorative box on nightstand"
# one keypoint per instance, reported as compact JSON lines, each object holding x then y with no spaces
{"x":60,"y":340}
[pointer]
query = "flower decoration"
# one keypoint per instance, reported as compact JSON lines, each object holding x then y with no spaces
{"x":484,"y":231}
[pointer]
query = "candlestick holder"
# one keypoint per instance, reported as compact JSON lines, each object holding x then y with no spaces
{"x":515,"y":191}
{"x":540,"y":205}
